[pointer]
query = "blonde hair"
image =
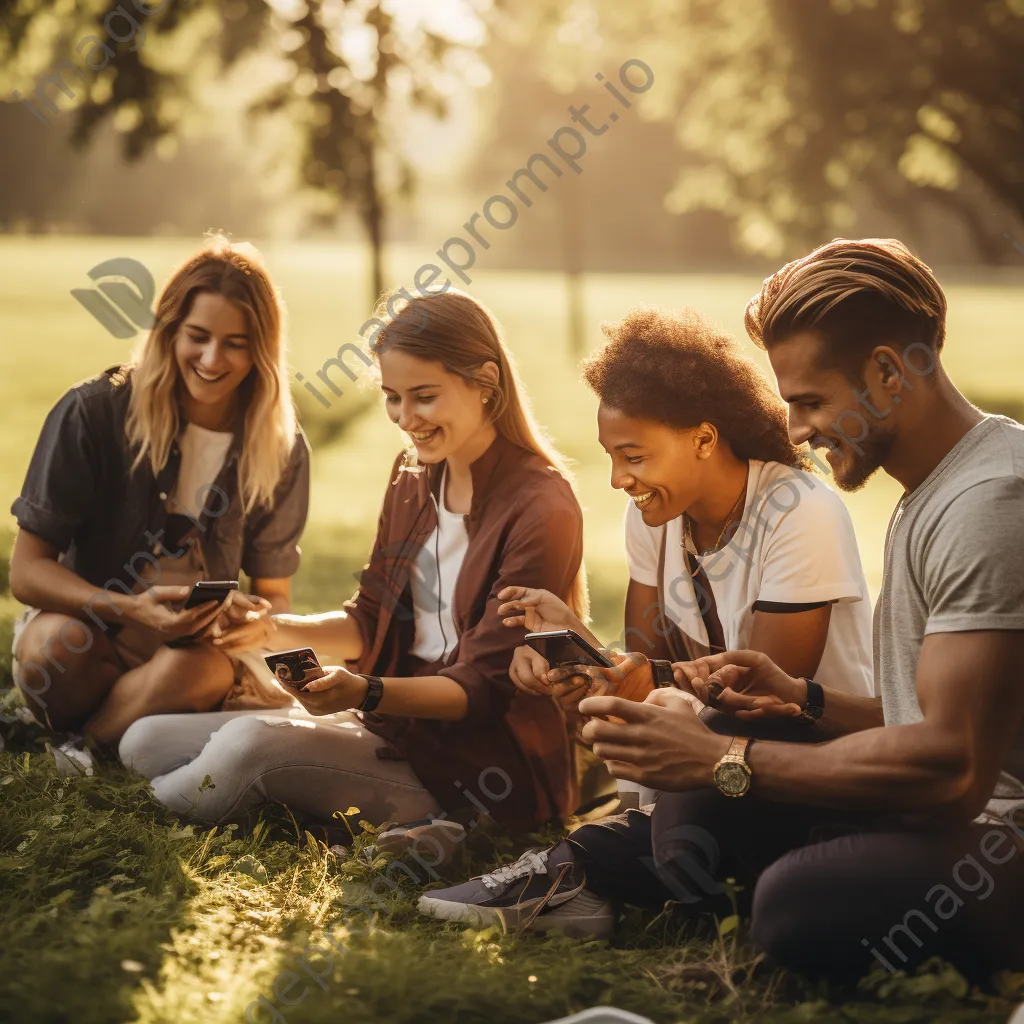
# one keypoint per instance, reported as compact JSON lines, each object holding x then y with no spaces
{"x":855,"y":293}
{"x":236,"y":272}
{"x":452,"y":328}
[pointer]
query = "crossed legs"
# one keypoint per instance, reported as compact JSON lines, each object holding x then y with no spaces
{"x":826,"y":894}
{"x":73,"y":678}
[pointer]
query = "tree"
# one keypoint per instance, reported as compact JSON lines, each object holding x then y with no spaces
{"x":788,"y":113}
{"x":334,"y":74}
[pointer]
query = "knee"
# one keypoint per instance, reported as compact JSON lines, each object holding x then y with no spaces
{"x":249,"y":739}
{"x":198,"y":677}
{"x":783,"y":921}
{"x":687,"y":854}
{"x":140,"y":739}
{"x":54,"y":647}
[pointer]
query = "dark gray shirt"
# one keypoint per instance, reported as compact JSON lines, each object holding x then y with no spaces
{"x":954,"y":562}
{"x":81,"y":496}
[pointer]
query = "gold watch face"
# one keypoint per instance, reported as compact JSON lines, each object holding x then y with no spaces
{"x":732,"y":779}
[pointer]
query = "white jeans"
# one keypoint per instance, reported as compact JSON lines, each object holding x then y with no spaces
{"x":314,"y":765}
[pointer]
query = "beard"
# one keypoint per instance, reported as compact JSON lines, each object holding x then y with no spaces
{"x":856,"y":468}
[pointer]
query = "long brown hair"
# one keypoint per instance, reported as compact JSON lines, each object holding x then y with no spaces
{"x":681,"y":370}
{"x":236,"y":272}
{"x":452,"y":328}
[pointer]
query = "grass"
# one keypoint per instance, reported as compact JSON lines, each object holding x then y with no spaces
{"x":114,"y":911}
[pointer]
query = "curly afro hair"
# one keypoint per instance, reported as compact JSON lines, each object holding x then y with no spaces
{"x":682,"y":370}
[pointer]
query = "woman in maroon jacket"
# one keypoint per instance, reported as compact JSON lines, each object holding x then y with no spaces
{"x":424,"y":717}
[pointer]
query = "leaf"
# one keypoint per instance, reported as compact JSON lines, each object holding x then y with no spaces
{"x":249,"y":865}
{"x":350,"y":812}
{"x":728,"y":924}
{"x":218,"y":861}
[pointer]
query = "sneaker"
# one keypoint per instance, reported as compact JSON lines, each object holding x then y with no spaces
{"x":437,"y":838}
{"x":73,"y":757}
{"x":543,"y":890}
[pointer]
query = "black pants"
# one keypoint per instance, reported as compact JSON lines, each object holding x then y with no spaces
{"x":827,"y":893}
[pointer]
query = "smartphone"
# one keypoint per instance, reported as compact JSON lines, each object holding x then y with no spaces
{"x":294,"y":668}
{"x":565,"y":647}
{"x":209,"y":590}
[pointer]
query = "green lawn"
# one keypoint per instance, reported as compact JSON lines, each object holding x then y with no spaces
{"x":112,"y":912}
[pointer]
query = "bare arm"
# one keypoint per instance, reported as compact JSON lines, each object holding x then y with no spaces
{"x":277,"y":591}
{"x":969,"y":689}
{"x":334,"y":635}
{"x":970,"y":693}
{"x":642,"y":615}
{"x":795,"y":641}
{"x":338,"y":689}
{"x":40,"y":581}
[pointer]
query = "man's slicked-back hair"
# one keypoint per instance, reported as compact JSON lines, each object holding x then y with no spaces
{"x":855,"y":294}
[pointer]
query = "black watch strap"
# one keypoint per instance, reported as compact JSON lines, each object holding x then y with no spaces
{"x":662,"y":671}
{"x":814,"y":707}
{"x":374,"y":692}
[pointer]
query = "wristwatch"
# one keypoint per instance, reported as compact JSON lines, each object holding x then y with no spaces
{"x":732,"y":773}
{"x":662,"y":671}
{"x":814,"y":707}
{"x":374,"y":692}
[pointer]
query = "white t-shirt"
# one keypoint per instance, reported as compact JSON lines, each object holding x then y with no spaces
{"x":433,"y":580}
{"x":202,"y":456}
{"x":795,"y":545}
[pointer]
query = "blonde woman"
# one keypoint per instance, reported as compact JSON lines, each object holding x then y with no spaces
{"x":185,"y":464}
{"x":424,"y":717}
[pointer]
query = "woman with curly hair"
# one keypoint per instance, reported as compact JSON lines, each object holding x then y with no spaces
{"x":731,"y":544}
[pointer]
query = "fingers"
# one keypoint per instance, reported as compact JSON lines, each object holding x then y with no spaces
{"x":745,"y":659}
{"x":528,"y":672}
{"x":164,"y":593}
{"x":618,"y":752}
{"x":670,"y":697}
{"x":561,"y":673}
{"x":197,"y":619}
{"x":511,"y":594}
{"x":686,"y":673}
{"x":627,"y":772}
{"x":627,"y":710}
{"x":717,"y":687}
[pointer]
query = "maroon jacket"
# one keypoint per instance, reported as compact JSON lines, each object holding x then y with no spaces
{"x":511,"y":752}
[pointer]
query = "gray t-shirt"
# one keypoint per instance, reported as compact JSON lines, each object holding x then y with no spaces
{"x":954,"y":561}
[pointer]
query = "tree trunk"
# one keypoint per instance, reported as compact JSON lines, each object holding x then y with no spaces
{"x":373,"y":217}
{"x":572,"y":263}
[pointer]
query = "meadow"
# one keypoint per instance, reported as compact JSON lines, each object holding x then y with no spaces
{"x":113,"y":911}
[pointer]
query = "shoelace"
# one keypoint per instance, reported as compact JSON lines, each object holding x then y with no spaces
{"x":531,"y":862}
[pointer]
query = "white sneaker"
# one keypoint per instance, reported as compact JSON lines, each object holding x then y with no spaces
{"x":73,"y":758}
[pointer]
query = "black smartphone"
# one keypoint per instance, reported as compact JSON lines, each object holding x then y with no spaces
{"x":294,"y":668}
{"x":209,"y":590}
{"x":565,"y":647}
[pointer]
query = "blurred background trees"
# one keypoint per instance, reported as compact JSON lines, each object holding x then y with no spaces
{"x":772,"y":124}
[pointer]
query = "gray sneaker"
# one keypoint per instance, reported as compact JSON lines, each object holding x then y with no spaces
{"x":543,"y":890}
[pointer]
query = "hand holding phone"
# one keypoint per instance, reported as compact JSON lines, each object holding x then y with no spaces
{"x":295,"y":668}
{"x":209,"y":590}
{"x":561,"y":647}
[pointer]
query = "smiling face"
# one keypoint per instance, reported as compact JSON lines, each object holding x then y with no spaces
{"x":442,"y":413}
{"x":655,"y":464}
{"x":855,"y":425}
{"x":214,"y":355}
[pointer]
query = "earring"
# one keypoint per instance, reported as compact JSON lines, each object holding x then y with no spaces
{"x":484,"y":399}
